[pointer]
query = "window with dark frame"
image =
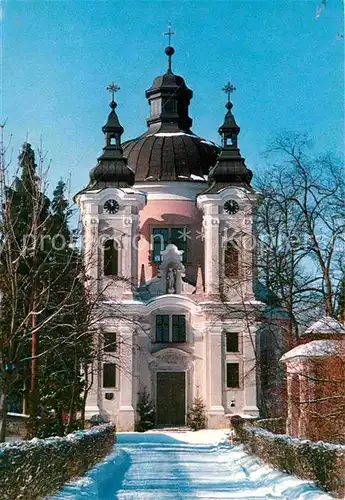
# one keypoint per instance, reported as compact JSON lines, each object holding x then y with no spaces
{"x":232,"y":375}
{"x":109,"y":341}
{"x":162,"y":328}
{"x":178,"y":328}
{"x":109,"y":375}
{"x":110,"y":258}
{"x":162,"y":236}
{"x":170,"y":328}
{"x":231,"y":260}
{"x":232,"y":342}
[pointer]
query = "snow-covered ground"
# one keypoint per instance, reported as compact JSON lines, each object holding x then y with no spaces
{"x":185,"y":465}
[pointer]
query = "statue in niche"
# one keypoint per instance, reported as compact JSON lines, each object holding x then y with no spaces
{"x":171,"y":280}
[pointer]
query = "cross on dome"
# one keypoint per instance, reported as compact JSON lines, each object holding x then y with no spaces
{"x":169,"y":50}
{"x":229,"y":89}
{"x":113,"y":88}
{"x":169,"y":33}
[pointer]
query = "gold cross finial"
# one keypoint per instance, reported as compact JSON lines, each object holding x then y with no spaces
{"x":169,"y":33}
{"x":229,"y":89}
{"x":113,"y":88}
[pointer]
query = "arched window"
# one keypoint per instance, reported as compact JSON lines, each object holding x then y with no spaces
{"x":231,"y":260}
{"x":111,"y":258}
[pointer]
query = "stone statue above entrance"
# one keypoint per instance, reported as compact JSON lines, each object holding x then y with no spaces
{"x":171,"y":270}
{"x":171,"y":280}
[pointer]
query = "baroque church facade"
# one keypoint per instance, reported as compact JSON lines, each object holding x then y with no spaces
{"x":167,"y":231}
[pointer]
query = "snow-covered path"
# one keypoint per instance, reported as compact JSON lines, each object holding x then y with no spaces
{"x":180,"y":466}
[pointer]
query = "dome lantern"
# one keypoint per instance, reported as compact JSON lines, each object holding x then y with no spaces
{"x":168,"y":150}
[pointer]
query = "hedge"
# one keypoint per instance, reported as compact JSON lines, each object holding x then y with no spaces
{"x":34,"y":469}
{"x":275,"y":425}
{"x":323,"y":463}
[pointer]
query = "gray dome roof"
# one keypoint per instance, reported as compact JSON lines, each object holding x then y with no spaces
{"x":168,"y":150}
{"x":170,"y":156}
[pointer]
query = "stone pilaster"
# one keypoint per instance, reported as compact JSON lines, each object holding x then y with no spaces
{"x":215,"y":411}
{"x":249,"y":371}
{"x":212,"y":264}
{"x":126,"y":418}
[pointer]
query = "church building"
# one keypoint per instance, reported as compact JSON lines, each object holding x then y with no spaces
{"x":168,"y":226}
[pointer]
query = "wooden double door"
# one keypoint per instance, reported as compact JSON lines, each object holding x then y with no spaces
{"x":171,"y":399}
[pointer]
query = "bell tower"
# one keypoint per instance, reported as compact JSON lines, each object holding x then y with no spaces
{"x":110,"y":212}
{"x":227,"y":206}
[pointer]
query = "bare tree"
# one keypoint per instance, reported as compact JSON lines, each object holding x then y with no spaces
{"x":301,"y":224}
{"x":298,"y":258}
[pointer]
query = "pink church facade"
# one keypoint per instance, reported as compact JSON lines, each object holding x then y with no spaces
{"x":168,"y":221}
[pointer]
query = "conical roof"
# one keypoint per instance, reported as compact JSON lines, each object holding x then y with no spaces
{"x":230,"y":169}
{"x":111,"y":169}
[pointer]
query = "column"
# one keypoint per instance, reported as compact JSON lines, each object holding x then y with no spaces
{"x":211,"y":233}
{"x":215,"y":379}
{"x":126,"y":251}
{"x":134,"y":248}
{"x":94,"y":403}
{"x":91,"y":250}
{"x":126,"y":413}
{"x":91,"y":261}
{"x":249,"y":371}
{"x":290,"y":413}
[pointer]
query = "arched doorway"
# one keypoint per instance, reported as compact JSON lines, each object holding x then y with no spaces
{"x":171,"y":398}
{"x":171,"y":376}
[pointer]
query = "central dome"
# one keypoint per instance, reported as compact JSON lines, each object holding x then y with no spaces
{"x":168,"y":150}
{"x":170,"y":156}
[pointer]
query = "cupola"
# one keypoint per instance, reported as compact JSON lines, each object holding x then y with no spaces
{"x":111,"y":169}
{"x":230,"y":169}
{"x":169,"y":150}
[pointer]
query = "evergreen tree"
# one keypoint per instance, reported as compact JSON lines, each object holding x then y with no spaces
{"x":145,"y":411}
{"x":44,"y":311}
{"x":24,"y":211}
{"x":196,"y":417}
{"x":66,"y":342}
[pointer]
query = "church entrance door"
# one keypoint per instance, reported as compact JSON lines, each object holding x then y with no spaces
{"x":171,"y":399}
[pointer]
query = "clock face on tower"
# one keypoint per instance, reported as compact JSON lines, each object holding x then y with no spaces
{"x":231,"y":207}
{"x":111,"y":206}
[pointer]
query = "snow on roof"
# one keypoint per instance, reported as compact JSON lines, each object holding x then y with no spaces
{"x":313,"y":349}
{"x":208,"y":142}
{"x":325,"y":326}
{"x":170,"y":134}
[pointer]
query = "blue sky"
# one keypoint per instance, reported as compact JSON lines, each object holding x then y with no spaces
{"x":58,"y":57}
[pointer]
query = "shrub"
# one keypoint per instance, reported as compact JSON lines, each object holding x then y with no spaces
{"x":36,"y":469}
{"x":145,"y":411}
{"x":237,"y":420}
{"x":196,"y":418}
{"x":275,"y":425}
{"x":323,"y":463}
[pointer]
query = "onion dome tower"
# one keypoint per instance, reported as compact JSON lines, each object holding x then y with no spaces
{"x":169,"y":150}
{"x":111,"y":169}
{"x":230,"y":169}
